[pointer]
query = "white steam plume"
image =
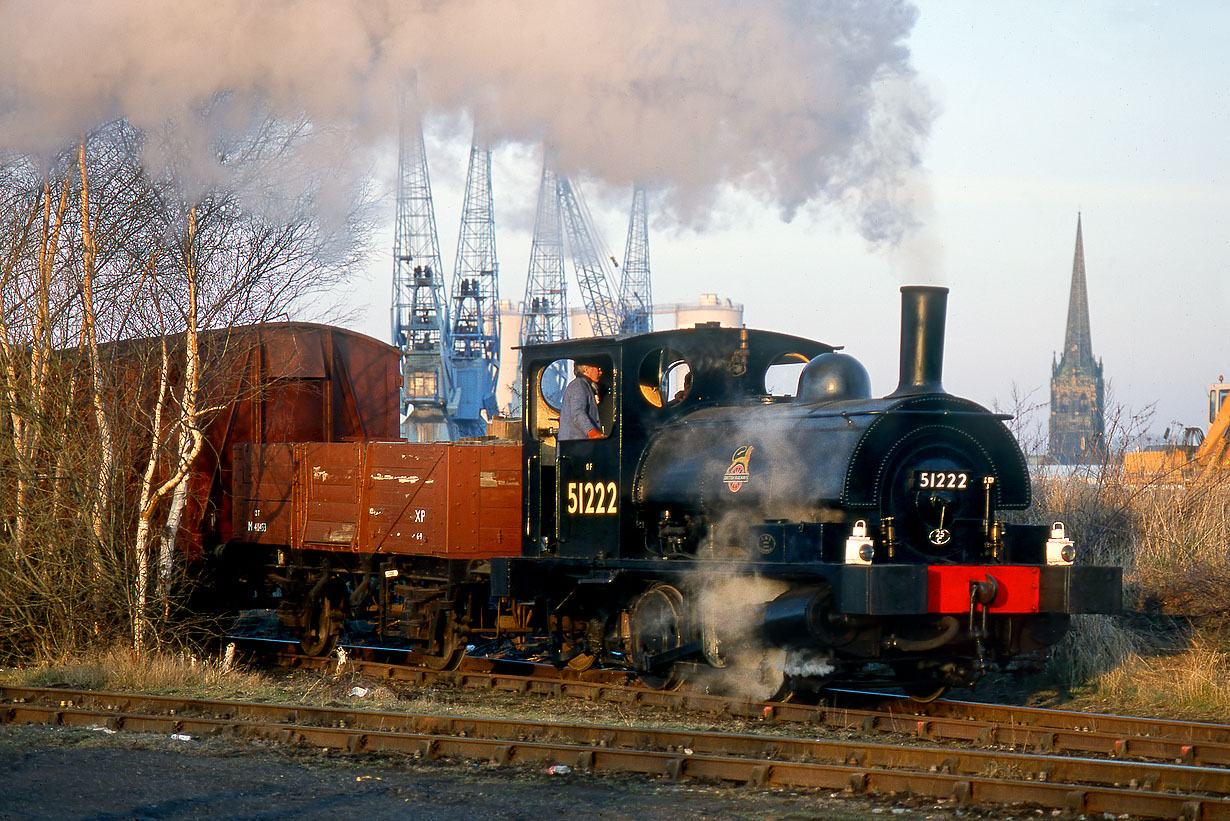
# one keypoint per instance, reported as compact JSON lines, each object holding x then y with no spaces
{"x":795,"y":101}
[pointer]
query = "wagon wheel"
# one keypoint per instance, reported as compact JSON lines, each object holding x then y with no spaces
{"x":921,"y":685}
{"x":321,"y":627}
{"x":452,"y":649}
{"x":924,"y":692}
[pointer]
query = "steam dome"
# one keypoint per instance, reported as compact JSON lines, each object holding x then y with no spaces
{"x":831,"y":377}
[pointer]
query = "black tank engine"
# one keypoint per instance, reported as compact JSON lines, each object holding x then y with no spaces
{"x":716,"y":530}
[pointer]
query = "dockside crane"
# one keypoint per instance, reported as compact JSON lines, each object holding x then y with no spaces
{"x":593,"y":277}
{"x":545,"y":312}
{"x":475,"y":327}
{"x":420,"y":312}
{"x":635,"y":292}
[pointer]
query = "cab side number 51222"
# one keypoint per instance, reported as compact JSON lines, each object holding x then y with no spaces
{"x":592,"y":497}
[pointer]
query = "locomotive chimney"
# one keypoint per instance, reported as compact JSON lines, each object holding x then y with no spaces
{"x":923,"y":308}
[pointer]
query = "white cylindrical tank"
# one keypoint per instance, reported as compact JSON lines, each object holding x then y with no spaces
{"x":508,"y":382}
{"x":709,"y":308}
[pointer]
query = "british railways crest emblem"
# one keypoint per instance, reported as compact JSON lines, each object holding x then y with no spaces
{"x":737,"y":474}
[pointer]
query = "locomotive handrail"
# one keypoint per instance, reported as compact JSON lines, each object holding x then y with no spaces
{"x":819,"y":414}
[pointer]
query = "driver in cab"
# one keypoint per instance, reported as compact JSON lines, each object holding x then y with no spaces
{"x":578,"y":418}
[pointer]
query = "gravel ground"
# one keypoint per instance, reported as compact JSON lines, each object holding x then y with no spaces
{"x":74,"y":773}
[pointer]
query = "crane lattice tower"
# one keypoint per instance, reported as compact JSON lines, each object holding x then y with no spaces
{"x":605,"y":313}
{"x":635,"y":292}
{"x":420,"y":313}
{"x":545,"y":312}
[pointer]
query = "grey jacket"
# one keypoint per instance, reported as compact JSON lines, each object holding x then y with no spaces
{"x":579,"y":411}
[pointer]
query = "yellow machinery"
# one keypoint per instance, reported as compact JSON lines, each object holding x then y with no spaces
{"x":1197,"y":454}
{"x":1215,"y":449}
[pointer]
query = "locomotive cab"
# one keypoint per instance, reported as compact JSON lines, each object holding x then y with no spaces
{"x":581,"y":498}
{"x":572,"y":500}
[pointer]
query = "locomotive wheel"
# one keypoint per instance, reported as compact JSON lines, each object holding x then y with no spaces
{"x":770,"y":675}
{"x":665,"y":682}
{"x":450,"y":659}
{"x":657,"y":626}
{"x":321,"y":627}
{"x":756,"y":674}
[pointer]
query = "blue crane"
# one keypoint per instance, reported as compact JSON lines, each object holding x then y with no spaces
{"x":475,"y":328}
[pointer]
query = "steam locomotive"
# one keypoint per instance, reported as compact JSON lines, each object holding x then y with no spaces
{"x":714,"y":532}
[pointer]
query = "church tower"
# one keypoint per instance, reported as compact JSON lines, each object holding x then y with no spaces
{"x":1077,"y":426}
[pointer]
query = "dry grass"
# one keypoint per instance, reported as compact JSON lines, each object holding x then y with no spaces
{"x":195,"y":676}
{"x":1190,"y":684}
{"x":1095,"y":646}
{"x":1173,"y":540}
{"x":156,"y":673}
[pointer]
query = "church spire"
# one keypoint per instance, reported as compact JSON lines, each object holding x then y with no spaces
{"x":1077,"y":340}
{"x":1077,"y":392}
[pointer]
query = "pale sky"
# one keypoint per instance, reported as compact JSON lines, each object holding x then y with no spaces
{"x":1116,"y":110}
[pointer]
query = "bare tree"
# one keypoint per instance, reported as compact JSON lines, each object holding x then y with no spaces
{"x":25,"y":331}
{"x":102,"y":377}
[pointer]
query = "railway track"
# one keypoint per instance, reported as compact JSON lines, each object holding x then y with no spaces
{"x":1069,"y":783}
{"x":988,"y":726}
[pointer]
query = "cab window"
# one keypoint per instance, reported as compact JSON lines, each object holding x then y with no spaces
{"x":664,"y":378}
{"x":781,"y":378}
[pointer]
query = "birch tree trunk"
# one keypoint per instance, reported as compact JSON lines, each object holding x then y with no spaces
{"x":146,"y":501}
{"x":101,"y":496}
{"x":15,"y":376}
{"x":175,"y":515}
{"x":189,"y":440}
